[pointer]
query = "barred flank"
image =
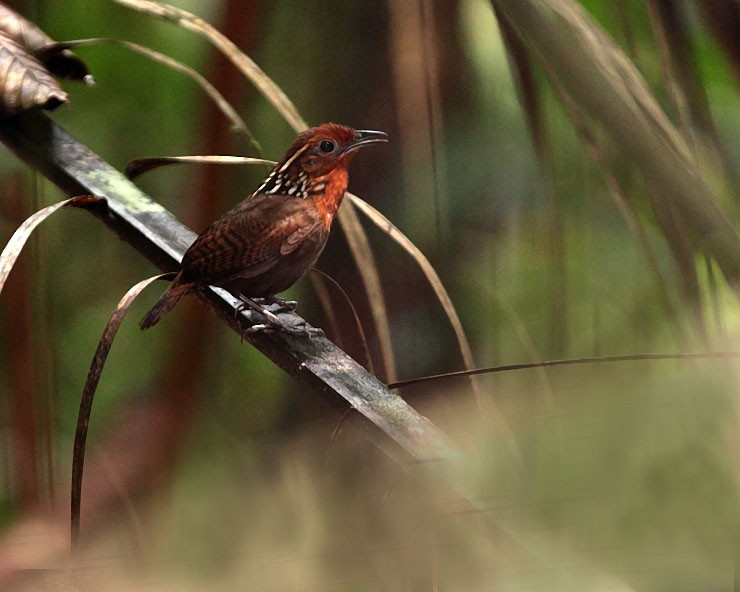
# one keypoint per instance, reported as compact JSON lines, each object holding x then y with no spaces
{"x":166,"y":303}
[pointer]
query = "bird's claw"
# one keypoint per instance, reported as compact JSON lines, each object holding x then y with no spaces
{"x":296,"y":330}
{"x":272,"y":321}
{"x":279,"y":304}
{"x":287,"y":305}
{"x":257,"y":328}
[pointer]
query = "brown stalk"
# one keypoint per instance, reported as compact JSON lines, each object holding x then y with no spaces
{"x":271,"y":91}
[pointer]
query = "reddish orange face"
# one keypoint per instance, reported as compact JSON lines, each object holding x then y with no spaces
{"x":318,"y":157}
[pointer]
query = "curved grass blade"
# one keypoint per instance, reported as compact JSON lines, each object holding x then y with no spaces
{"x":88,"y":393}
{"x":392,"y":231}
{"x":221,"y":102}
{"x":138,"y":167}
{"x":252,"y":71}
{"x":16,"y":243}
{"x":320,"y":287}
{"x":449,"y":308}
{"x":360,"y":247}
{"x":720,"y":355}
{"x":61,"y":62}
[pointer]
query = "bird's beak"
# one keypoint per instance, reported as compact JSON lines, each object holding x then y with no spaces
{"x":365,"y":137}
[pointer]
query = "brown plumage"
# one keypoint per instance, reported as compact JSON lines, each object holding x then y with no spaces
{"x":269,"y":241}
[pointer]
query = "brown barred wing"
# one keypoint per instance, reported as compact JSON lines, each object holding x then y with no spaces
{"x":259,"y":237}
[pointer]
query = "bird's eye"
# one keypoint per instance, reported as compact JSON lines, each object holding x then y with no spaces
{"x":326,"y":146}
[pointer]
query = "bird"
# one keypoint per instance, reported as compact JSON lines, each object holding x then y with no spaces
{"x":270,"y":240}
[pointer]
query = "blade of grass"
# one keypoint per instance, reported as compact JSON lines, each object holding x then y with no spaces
{"x":219,"y":100}
{"x":15,"y":245}
{"x":449,"y":308}
{"x":138,"y":167}
{"x":721,"y":355}
{"x":360,"y":246}
{"x":88,"y":394}
{"x":320,"y":282}
{"x":392,"y":231}
{"x":271,"y":91}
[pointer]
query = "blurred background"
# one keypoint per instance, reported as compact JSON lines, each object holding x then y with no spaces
{"x":209,"y":468}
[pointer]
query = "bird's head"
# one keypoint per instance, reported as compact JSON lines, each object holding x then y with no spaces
{"x":318,"y":159}
{"x":319,"y":150}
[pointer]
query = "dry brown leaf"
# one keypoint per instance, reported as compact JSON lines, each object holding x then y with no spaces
{"x":28,"y":57}
{"x":58,"y":61}
{"x":24,"y":81}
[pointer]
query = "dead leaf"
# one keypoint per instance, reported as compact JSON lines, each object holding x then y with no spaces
{"x":24,"y":81}
{"x":60,"y":62}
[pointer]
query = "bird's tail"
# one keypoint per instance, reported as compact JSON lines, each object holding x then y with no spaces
{"x":166,"y":302}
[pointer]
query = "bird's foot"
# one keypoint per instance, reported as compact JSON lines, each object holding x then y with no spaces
{"x":272,"y":321}
{"x":287,"y":305}
{"x":280,"y":304}
{"x":296,"y":330}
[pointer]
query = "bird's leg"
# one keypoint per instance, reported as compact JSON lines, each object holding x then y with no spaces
{"x":273,"y":322}
{"x":247,"y":304}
